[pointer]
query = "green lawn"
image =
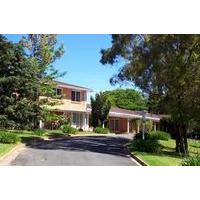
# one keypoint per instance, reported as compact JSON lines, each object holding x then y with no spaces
{"x":168,"y":157}
{"x":5,"y":148}
{"x":24,"y":135}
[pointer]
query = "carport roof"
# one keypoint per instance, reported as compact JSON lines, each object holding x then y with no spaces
{"x":132,"y":114}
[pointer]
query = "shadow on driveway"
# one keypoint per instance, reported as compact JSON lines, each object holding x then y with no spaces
{"x":97,"y":144}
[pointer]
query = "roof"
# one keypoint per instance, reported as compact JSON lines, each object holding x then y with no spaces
{"x":67,"y":85}
{"x":119,"y":112}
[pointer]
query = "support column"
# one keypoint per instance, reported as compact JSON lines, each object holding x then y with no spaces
{"x":128,"y":128}
{"x":88,"y":121}
{"x":138,"y":128}
{"x":154,"y":126}
{"x":71,"y":118}
{"x":41,"y":124}
{"x":84,"y":121}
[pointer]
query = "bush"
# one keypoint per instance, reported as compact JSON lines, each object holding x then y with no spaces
{"x":68,"y":129}
{"x":39,"y":132}
{"x":191,"y":161}
{"x":101,"y":130}
{"x":147,"y":145}
{"x":149,"y":125}
{"x":159,"y":135}
{"x":9,"y":138}
{"x":139,"y":135}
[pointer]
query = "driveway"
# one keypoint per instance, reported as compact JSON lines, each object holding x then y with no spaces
{"x":77,"y":151}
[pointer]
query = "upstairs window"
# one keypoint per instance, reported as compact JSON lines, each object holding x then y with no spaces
{"x":76,"y":96}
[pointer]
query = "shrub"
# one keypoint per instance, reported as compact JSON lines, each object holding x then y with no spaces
{"x":191,"y":161}
{"x":139,"y":135}
{"x":9,"y":138}
{"x":56,"y":135}
{"x":101,"y":130}
{"x":149,"y":125}
{"x":39,"y":132}
{"x":159,"y":135}
{"x":68,"y":129}
{"x":147,"y":145}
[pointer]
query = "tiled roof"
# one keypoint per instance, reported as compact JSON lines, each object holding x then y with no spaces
{"x":129,"y":113}
{"x":72,"y":86}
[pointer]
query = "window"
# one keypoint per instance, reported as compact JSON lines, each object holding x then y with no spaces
{"x":114,"y":125}
{"x":58,"y":91}
{"x":75,"y":119}
{"x":75,"y":96}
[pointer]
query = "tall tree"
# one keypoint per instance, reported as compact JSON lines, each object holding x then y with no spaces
{"x":43,"y":50}
{"x":127,"y":99}
{"x":165,"y":65}
{"x":100,"y":109}
{"x":17,"y":86}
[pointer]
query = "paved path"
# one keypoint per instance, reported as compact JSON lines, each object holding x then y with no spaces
{"x":77,"y":151}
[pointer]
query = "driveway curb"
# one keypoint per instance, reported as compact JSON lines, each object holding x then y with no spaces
{"x":138,"y":160}
{"x":11,"y":155}
{"x":92,"y":134}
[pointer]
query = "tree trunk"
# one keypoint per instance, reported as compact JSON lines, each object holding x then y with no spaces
{"x":35,"y":118}
{"x":181,"y":140}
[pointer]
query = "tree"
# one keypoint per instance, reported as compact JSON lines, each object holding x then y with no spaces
{"x":42,"y":52}
{"x":126,"y":98}
{"x":100,"y":109}
{"x":164,"y":65}
{"x":17,"y":85}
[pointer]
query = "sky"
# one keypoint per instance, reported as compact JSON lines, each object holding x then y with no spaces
{"x":81,"y":61}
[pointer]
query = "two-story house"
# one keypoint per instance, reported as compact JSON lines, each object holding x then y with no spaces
{"x":74,"y":107}
{"x":73,"y":104}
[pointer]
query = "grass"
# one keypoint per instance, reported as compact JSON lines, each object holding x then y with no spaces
{"x":168,"y":156}
{"x":5,"y":148}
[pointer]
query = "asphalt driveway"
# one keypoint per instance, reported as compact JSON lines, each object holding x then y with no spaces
{"x":76,"y":151}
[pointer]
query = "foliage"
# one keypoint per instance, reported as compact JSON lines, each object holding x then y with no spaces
{"x":147,"y":145}
{"x":68,"y":129}
{"x":9,"y":138}
{"x":149,"y":125}
{"x":39,"y":132}
{"x":101,"y":130}
{"x":52,"y":116}
{"x":53,"y":120}
{"x":163,"y":66}
{"x":139,"y":135}
{"x":17,"y":83}
{"x":159,"y":135}
{"x":126,"y":98}
{"x":100,"y":109}
{"x":26,"y":72}
{"x":191,"y":161}
{"x":168,"y":157}
{"x":42,"y":50}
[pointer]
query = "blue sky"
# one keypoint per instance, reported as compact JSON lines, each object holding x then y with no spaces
{"x":81,"y":60}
